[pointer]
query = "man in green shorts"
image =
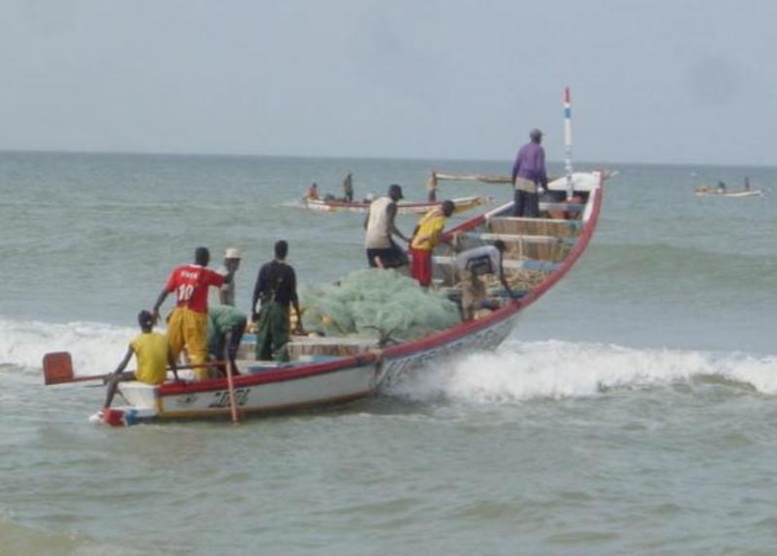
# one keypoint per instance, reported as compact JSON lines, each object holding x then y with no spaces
{"x":276,"y":289}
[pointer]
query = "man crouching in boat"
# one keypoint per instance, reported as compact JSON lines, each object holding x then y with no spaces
{"x":471,"y":265}
{"x":153,"y":354}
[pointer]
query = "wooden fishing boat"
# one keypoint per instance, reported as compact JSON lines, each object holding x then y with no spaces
{"x":409,"y":207}
{"x":334,"y":370}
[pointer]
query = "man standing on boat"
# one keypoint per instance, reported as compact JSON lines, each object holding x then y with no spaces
{"x":382,"y":251}
{"x":529,"y":174}
{"x":471,"y":265}
{"x":187,"y":325}
{"x":226,"y":293}
{"x":348,"y":188}
{"x":276,"y":289}
{"x":425,"y":239}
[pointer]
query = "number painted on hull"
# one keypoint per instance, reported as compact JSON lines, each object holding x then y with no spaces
{"x":221,"y":399}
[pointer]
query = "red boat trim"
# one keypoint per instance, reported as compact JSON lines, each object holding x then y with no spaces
{"x":280,"y":374}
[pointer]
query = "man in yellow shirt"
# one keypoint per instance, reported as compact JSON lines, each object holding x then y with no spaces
{"x":153,"y":356}
{"x":425,"y":239}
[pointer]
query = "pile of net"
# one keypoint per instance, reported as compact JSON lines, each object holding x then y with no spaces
{"x":376,"y":303}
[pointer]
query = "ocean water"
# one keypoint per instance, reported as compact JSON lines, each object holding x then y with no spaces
{"x":633,"y":410}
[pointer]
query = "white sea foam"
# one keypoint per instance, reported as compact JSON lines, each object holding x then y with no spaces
{"x":552,"y":369}
{"x":516,"y":372}
{"x":95,"y":347}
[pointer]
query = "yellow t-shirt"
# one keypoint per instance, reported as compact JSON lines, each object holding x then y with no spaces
{"x":151,"y":353}
{"x":429,"y":228}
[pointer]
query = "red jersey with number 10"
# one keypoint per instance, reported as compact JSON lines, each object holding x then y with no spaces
{"x":190,"y":283}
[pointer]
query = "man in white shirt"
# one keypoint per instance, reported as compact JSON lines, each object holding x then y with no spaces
{"x":226,"y":294}
{"x":382,"y":251}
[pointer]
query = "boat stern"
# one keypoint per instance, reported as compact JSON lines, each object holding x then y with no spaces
{"x":142,"y":400}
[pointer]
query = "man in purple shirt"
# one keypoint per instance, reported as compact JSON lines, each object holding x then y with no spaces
{"x":528,"y":173}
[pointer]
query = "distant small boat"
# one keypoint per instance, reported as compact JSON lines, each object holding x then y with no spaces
{"x":707,"y":191}
{"x":412,"y":207}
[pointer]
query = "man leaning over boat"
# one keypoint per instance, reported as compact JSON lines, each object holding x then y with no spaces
{"x":425,"y":238}
{"x":382,"y":250}
{"x":226,"y":326}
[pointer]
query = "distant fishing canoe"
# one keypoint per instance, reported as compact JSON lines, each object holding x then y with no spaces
{"x":706,"y":191}
{"x":412,"y":207}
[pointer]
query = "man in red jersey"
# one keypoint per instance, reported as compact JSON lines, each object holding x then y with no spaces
{"x":187,"y":325}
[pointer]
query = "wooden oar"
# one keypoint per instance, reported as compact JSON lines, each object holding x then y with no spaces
{"x":58,"y":369}
{"x":231,"y":386}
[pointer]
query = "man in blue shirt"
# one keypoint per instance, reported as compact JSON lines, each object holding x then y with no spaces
{"x":528,"y":174}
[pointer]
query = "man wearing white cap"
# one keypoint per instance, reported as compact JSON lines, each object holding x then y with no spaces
{"x":226,"y":294}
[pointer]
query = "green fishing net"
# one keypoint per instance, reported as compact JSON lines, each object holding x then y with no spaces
{"x":375,"y":303}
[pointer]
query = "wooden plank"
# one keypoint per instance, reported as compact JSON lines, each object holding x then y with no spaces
{"x":514,"y":238}
{"x":561,"y":207}
{"x":525,"y":264}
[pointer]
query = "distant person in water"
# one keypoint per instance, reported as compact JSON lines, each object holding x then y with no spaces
{"x":529,"y":174}
{"x":721,"y":187}
{"x":348,"y":188}
{"x":747,"y":183}
{"x":312,"y":193}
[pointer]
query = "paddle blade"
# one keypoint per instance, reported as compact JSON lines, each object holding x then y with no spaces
{"x":57,"y":368}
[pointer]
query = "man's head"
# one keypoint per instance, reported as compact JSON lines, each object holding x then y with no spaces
{"x":395,"y":192}
{"x":281,"y":250}
{"x":500,"y":245}
{"x":232,"y":258}
{"x":201,"y":256}
{"x":535,"y":135}
{"x":448,"y":207}
{"x":146,"y":321}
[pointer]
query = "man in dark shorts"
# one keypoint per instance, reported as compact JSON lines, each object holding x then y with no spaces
{"x":382,"y":250}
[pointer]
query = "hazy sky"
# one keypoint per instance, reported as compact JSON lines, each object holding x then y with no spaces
{"x":677,"y":81}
